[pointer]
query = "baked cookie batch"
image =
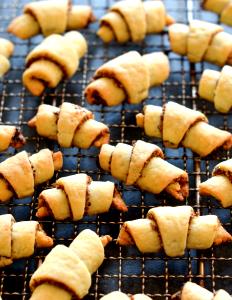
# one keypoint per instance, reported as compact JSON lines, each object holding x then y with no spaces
{"x":66,"y":271}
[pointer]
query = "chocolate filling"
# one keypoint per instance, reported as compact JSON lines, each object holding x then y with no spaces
{"x":18,"y":139}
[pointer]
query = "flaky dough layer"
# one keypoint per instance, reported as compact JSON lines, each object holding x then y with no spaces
{"x":66,"y":272}
{"x":13,"y":236}
{"x":222,"y":8}
{"x":178,"y":126}
{"x":220,"y":185}
{"x":216,"y":87}
{"x":71,"y":125}
{"x":174,"y":229}
{"x":55,"y":58}
{"x":42,"y":16}
{"x":21,"y":172}
{"x":127,"y":77}
{"x":201,"y":41}
{"x":77,"y":195}
{"x":193,"y":291}
{"x":143,"y":165}
{"x":132,"y":20}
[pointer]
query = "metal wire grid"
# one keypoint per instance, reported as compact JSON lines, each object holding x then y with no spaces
{"x":124,"y":268}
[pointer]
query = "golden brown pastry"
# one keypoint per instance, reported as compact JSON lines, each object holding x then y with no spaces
{"x":66,"y":271}
{"x":6,"y":50}
{"x":127,"y":77}
{"x":13,"y":236}
{"x":201,"y":41}
{"x":48,"y":17}
{"x":174,"y":229}
{"x":220,"y":7}
{"x":77,"y":195}
{"x":10,"y":136}
{"x":220,"y":184}
{"x":121,"y":296}
{"x":216,"y":86}
{"x":71,"y":125}
{"x":132,"y":19}
{"x":193,"y":291}
{"x":178,"y":125}
{"x":143,"y":165}
{"x":20,"y":173}
{"x":55,"y":58}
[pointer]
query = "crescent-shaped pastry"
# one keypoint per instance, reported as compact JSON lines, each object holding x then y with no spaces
{"x":178,"y":125}
{"x":127,"y":77}
{"x":13,"y":236}
{"x":216,"y":86}
{"x":66,"y":271}
{"x":132,"y":19}
{"x":43,"y":16}
{"x":143,"y":165}
{"x":71,"y":125}
{"x":200,"y":41}
{"x":20,"y":173}
{"x":220,"y":7}
{"x":10,"y":136}
{"x":121,"y":296}
{"x":77,"y":195}
{"x":174,"y":229}
{"x":220,"y":184}
{"x":55,"y":58}
{"x":6,"y":50}
{"x":193,"y":291}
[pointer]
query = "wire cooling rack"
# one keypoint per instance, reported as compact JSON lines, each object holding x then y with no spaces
{"x":124,"y":268}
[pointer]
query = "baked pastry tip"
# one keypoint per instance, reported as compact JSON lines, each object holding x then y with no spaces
{"x":222,"y":8}
{"x":178,"y":126}
{"x":13,"y":236}
{"x":6,"y":50}
{"x":49,"y":17}
{"x":70,"y":125}
{"x":10,"y":136}
{"x":143,"y":165}
{"x":201,"y":41}
{"x":77,"y":195}
{"x":216,"y":86}
{"x":116,"y":295}
{"x":19,"y":174}
{"x":132,"y":20}
{"x":193,"y":291}
{"x":219,"y":185}
{"x":66,"y":271}
{"x":174,"y":229}
{"x":57,"y":57}
{"x":127,"y":77}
